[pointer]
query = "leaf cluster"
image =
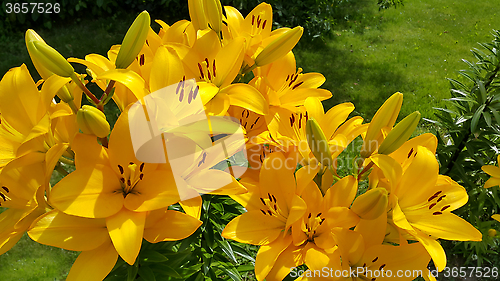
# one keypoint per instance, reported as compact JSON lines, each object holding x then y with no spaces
{"x":468,"y":131}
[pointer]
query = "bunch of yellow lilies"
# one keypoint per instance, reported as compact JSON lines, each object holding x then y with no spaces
{"x":386,"y":213}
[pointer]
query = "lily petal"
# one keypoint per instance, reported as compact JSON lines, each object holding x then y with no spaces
{"x":268,"y":255}
{"x":169,"y":225}
{"x":69,"y":232}
{"x":126,"y":230}
{"x":94,"y":265}
{"x":88,"y":192}
{"x":244,"y":229}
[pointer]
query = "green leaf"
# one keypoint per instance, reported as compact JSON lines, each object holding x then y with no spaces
{"x":226,"y":248}
{"x":487,"y":118}
{"x":245,"y":268}
{"x":475,"y":118}
{"x":152,"y":256}
{"x":496,"y":115}
{"x":482,"y":90}
{"x":243,"y":253}
{"x":132,"y":272}
{"x":146,"y":273}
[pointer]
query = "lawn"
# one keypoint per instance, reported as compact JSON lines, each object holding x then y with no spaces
{"x":411,"y":49}
{"x":371,"y":55}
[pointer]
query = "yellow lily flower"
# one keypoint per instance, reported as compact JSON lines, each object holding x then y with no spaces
{"x":215,"y":68}
{"x":255,"y":27}
{"x":91,"y":236}
{"x":288,"y":129}
{"x":494,"y":172}
{"x":424,"y":213}
{"x":26,"y":125}
{"x":113,"y":184}
{"x":275,"y":206}
{"x":285,"y":86}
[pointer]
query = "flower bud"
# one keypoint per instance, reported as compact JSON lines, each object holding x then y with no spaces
{"x":318,"y":143}
{"x":279,"y":47}
{"x":399,"y":134}
{"x":371,"y":204}
{"x":213,"y":14}
{"x":30,"y":37}
{"x":197,"y":14}
{"x":492,"y":232}
{"x":50,"y":59}
{"x":133,"y":41}
{"x":92,"y":121}
{"x":385,"y":117}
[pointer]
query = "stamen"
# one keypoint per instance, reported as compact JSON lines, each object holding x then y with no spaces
{"x":441,"y":198}
{"x":375,"y":259}
{"x":5,"y":188}
{"x":262,"y":200}
{"x":297,"y":85}
{"x":121,"y":169}
{"x":201,"y":71}
{"x":445,"y":207}
{"x":3,"y":197}
{"x":213,"y":67}
{"x":128,"y":182}
{"x":411,"y":151}
{"x":432,"y":205}
{"x":141,"y":176}
{"x":264,"y":24}
{"x":309,"y":216}
{"x":253,"y":19}
{"x":141,"y":168}
{"x":264,"y":212}
{"x":141,"y":60}
{"x":437,"y":213}
{"x":122,"y":180}
{"x":382,"y":266}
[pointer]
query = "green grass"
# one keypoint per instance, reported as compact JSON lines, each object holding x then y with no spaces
{"x":30,"y":261}
{"x":411,"y":49}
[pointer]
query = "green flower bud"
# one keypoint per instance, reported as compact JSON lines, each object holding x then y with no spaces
{"x":371,"y":204}
{"x":318,"y":143}
{"x":133,"y":41}
{"x":92,"y":121}
{"x":399,"y":134}
{"x":280,"y":46}
{"x":50,"y":59}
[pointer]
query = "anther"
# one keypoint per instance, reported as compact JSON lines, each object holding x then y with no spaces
{"x":445,"y":207}
{"x":201,"y":71}
{"x":375,"y":259}
{"x":297,"y":85}
{"x":432,"y":205}
{"x":411,"y":151}
{"x":141,"y":176}
{"x":141,"y":60}
{"x":121,"y":169}
{"x":437,"y":213}
{"x":141,"y":168}
{"x":5,"y":188}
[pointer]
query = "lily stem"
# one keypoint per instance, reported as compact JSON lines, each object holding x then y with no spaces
{"x":61,"y":170}
{"x":368,"y":167}
{"x":84,"y":89}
